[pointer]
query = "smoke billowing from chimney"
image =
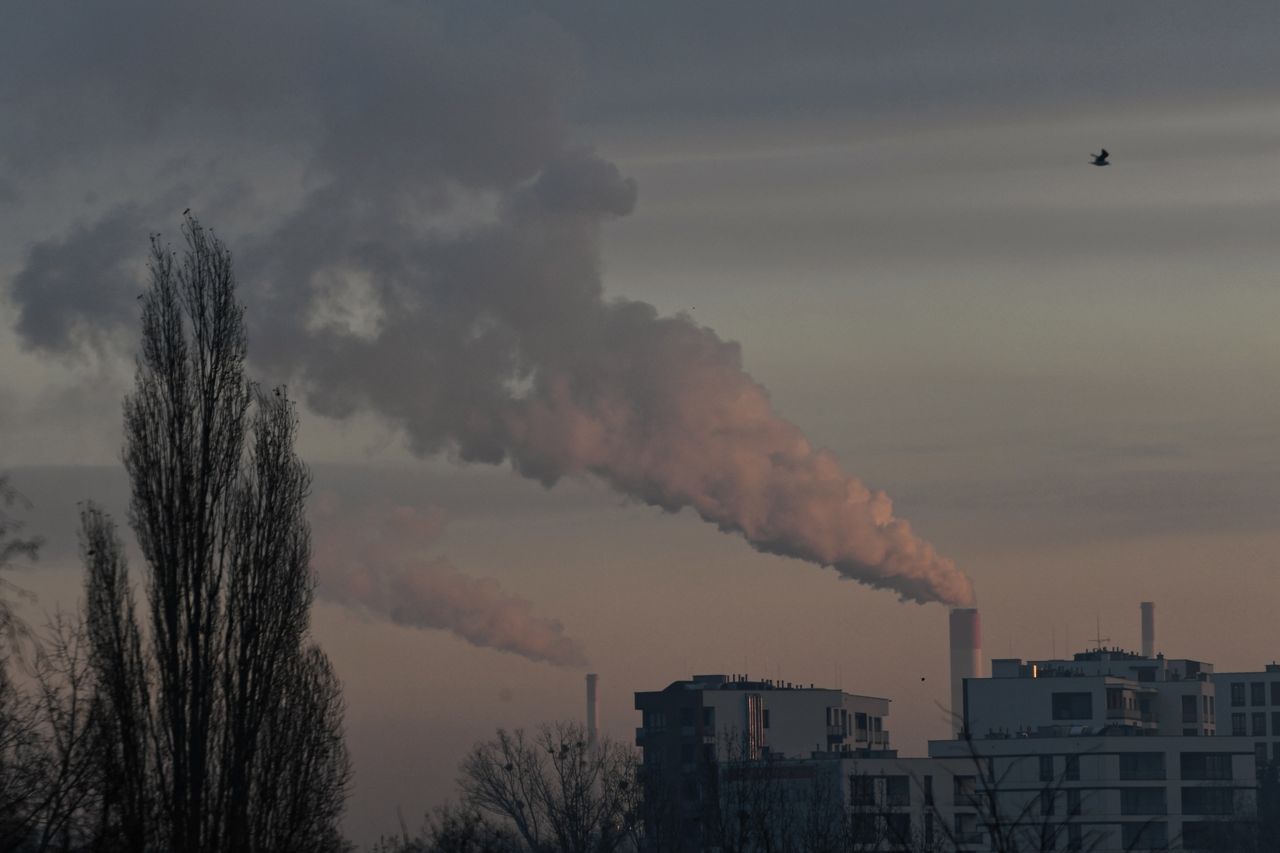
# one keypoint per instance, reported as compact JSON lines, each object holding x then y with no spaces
{"x":443,"y":270}
{"x":375,"y":563}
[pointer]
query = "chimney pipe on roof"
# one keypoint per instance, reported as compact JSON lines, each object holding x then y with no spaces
{"x":966,"y":660}
{"x":1148,"y":629}
{"x":593,"y":710}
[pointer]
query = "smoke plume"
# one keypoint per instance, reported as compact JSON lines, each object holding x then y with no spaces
{"x":377,"y":562}
{"x":442,"y":268}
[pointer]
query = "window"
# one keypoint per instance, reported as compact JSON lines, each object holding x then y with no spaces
{"x":1237,"y":694}
{"x":655,"y":721}
{"x":1073,"y":706}
{"x":1275,"y":722}
{"x":967,"y":829}
{"x":1259,"y":756}
{"x":686,"y":753}
{"x":1201,"y":835}
{"x":1075,"y":837}
{"x":1141,"y":766}
{"x":965,"y":789}
{"x":866,"y":832}
{"x":928,"y":830}
{"x":1213,"y":801}
{"x":1275,"y":693}
{"x":862,"y":791}
{"x":1072,"y":773}
{"x":1145,"y":835}
{"x":897,"y":791}
{"x":1205,"y":766}
{"x":686,"y":716}
{"x":1258,"y":693}
{"x":1046,"y":801}
{"x":1259,"y":723}
{"x":1190,"y":732}
{"x":928,"y":788}
{"x":1189,"y":707}
{"x":765,"y":714}
{"x":1073,"y":801}
{"x":1046,"y":768}
{"x":709,"y":718}
{"x":1237,"y":724}
{"x":898,"y":828}
{"x":1137,"y":801}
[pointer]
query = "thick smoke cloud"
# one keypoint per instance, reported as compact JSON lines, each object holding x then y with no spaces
{"x":378,"y":563}
{"x":442,"y":269}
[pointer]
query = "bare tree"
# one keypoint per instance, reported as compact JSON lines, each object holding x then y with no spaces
{"x":122,"y":688}
{"x":227,"y":724}
{"x":454,"y":829}
{"x":13,"y":545}
{"x":558,"y":791}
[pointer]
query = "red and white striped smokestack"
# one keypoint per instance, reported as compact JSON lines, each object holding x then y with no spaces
{"x":1148,"y":629}
{"x":593,"y":710}
{"x":966,"y":659}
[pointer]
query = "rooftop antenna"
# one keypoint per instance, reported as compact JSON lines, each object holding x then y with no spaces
{"x":1099,"y":638}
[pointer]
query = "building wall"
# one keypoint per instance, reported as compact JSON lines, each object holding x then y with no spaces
{"x":1249,"y":706}
{"x":1106,"y":793}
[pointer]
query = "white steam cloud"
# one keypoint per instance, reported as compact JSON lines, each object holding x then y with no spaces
{"x":377,"y":562}
{"x":443,"y":270}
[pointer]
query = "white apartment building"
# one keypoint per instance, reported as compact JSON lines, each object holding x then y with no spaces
{"x":1250,"y":703}
{"x":1096,"y":692}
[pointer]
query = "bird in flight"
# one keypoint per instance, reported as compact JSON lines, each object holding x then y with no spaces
{"x":1100,"y":159}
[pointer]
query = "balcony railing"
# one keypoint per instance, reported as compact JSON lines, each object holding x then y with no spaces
{"x":1132,"y":714}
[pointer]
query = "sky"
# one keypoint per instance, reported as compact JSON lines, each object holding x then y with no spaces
{"x":585,"y":300}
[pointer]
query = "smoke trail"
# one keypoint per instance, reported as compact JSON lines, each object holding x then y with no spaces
{"x":375,"y":562}
{"x":443,"y":271}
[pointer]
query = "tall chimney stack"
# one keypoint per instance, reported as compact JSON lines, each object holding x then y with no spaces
{"x":966,"y":659}
{"x":1148,"y":629}
{"x":593,"y":710}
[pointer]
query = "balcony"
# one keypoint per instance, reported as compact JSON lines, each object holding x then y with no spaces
{"x":1133,"y":715}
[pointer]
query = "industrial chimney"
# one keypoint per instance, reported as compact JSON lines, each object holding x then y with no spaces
{"x":1148,"y":629}
{"x":593,"y":713}
{"x":966,"y":659}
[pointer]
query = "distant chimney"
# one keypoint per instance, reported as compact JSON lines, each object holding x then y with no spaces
{"x":966,"y":659}
{"x":1148,"y":629}
{"x":593,"y":710}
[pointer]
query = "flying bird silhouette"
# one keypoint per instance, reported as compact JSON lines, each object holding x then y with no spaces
{"x":188,"y":210}
{"x":1100,"y":159}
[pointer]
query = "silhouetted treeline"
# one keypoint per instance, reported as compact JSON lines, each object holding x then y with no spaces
{"x":202,"y":718}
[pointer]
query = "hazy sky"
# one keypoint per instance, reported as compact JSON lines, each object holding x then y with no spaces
{"x":1064,"y":376}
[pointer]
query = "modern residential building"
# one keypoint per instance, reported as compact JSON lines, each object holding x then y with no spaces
{"x":1106,"y":751}
{"x":1250,"y":703}
{"x":692,"y":728}
{"x":1101,"y":691}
